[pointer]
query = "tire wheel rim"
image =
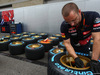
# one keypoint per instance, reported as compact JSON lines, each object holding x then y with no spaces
{"x":34,"y":46}
{"x":46,"y":42}
{"x":42,"y":33}
{"x":58,"y":51}
{"x":69,"y":62}
{"x":52,"y":37}
{"x":32,"y":33}
{"x":15,"y":38}
{"x":7,"y":36}
{"x":24,"y":32}
{"x":28,"y":38}
{"x":58,"y":35}
{"x":5,"y":40}
{"x":25,"y":35}
{"x":17,"y":42}
{"x":36,"y":36}
{"x":18,"y":34}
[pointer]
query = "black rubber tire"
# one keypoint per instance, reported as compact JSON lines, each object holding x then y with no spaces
{"x":37,"y":38}
{"x":5,"y":37}
{"x":4,"y":45}
{"x":47,"y":47}
{"x":32,"y":41}
{"x":60,"y":37}
{"x":16,"y":35}
{"x":25,"y":33}
{"x":17,"y":49}
{"x":33,"y":34}
{"x":55,"y":67}
{"x":44,"y":36}
{"x":34,"y":54}
{"x":55,"y":41}
{"x":23,"y":37}
{"x":51,"y":53}
{"x":61,"y":45}
{"x":19,"y":39}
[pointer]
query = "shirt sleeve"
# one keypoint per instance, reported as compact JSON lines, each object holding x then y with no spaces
{"x":64,"y":31}
{"x":96,"y":23}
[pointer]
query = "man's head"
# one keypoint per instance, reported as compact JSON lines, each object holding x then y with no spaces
{"x":72,"y":14}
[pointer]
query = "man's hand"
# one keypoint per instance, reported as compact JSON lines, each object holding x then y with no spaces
{"x":79,"y":63}
{"x":94,"y":66}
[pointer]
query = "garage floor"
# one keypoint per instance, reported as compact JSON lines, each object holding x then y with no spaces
{"x":19,"y":65}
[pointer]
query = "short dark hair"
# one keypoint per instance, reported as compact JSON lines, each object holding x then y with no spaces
{"x":68,"y":8}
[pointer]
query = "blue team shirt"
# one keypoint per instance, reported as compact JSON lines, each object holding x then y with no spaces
{"x":81,"y":35}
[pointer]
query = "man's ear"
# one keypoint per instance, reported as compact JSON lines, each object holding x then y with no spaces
{"x":79,"y":11}
{"x":63,"y":17}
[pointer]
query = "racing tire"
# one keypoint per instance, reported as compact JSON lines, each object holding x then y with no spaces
{"x":15,"y":39}
{"x":44,"y":35}
{"x":4,"y":45}
{"x":55,"y":40}
{"x":6,"y":37}
{"x":47,"y":46}
{"x":32,"y":34}
{"x":61,"y":45}
{"x":25,"y":33}
{"x":29,"y":41}
{"x":17,"y":35}
{"x":37,"y":37}
{"x":34,"y":53}
{"x":54,"y":51}
{"x":59,"y":36}
{"x":16,"y":48}
{"x":56,"y":67}
{"x":25,"y":36}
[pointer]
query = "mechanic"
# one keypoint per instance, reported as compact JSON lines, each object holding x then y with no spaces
{"x":77,"y":30}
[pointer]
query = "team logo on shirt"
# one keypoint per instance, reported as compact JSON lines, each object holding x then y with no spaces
{"x":96,"y":25}
{"x":72,"y":30}
{"x":97,"y":20}
{"x":63,"y":35}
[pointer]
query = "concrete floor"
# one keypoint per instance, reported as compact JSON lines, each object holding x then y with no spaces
{"x":12,"y":66}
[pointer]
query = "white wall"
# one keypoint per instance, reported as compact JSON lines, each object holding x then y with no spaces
{"x":47,"y":17}
{"x":5,"y":9}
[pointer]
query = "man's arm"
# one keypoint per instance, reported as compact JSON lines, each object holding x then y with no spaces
{"x":78,"y":62}
{"x":96,"y":45}
{"x":69,"y":48}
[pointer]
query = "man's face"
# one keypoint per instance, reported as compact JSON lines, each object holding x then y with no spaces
{"x":74,"y":18}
